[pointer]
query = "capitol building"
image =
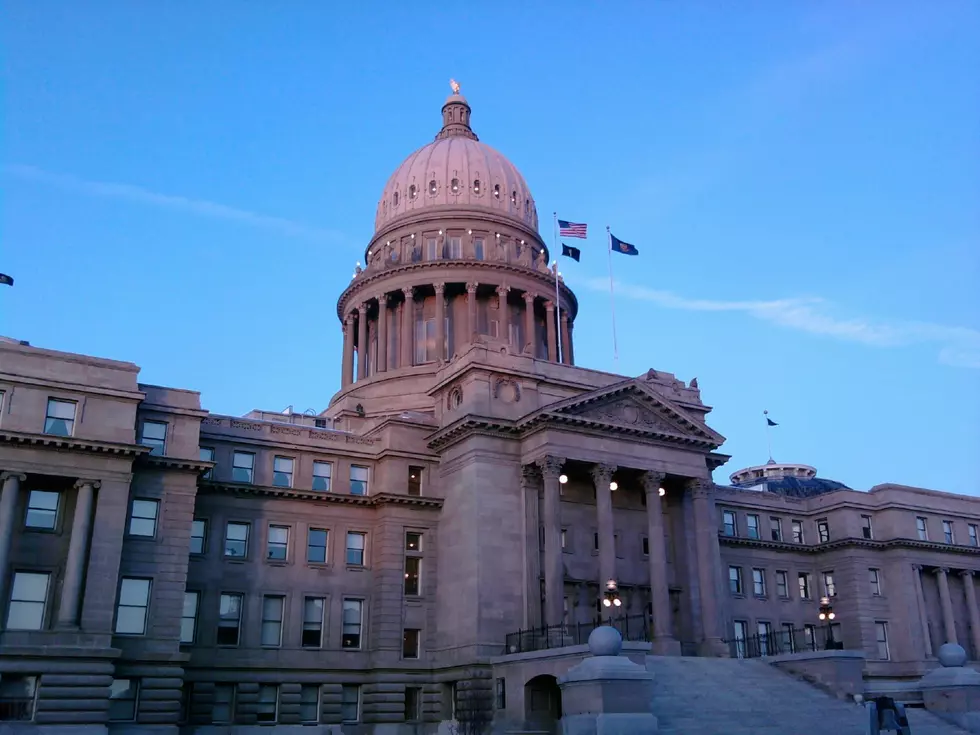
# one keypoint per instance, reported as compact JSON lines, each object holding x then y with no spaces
{"x":429,"y":548}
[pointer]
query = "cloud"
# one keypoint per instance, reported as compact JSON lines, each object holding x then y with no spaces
{"x":958,"y":346}
{"x":199,"y":207}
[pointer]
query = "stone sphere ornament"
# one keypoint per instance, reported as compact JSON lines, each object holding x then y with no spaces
{"x":950,"y":654}
{"x":605,"y":641}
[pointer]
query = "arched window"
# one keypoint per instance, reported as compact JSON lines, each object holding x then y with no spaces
{"x":476,"y":186}
{"x":394,"y":200}
{"x":496,"y":191}
{"x":454,"y":185}
{"x":513,"y":198}
{"x":412,"y":191}
{"x":432,"y":187}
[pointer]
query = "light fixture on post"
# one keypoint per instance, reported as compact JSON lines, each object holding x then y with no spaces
{"x":610,"y":598}
{"x":826,"y":614}
{"x":563,"y":479}
{"x":614,"y":486}
{"x":661,"y":492}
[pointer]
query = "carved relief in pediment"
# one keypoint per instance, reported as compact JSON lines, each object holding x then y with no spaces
{"x":630,"y":413}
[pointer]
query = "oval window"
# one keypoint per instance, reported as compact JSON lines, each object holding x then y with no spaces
{"x":454,"y":185}
{"x":412,"y":191}
{"x":513,"y":198}
{"x":432,"y":187}
{"x":476,"y":186}
{"x":496,"y":191}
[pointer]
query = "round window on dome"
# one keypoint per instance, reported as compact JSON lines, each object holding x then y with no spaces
{"x":496,"y":191}
{"x":476,"y":186}
{"x":432,"y":187}
{"x":412,"y":191}
{"x":454,"y":185}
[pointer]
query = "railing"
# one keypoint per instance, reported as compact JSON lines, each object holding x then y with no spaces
{"x":783,"y":641}
{"x":631,"y":627}
{"x":16,"y":708}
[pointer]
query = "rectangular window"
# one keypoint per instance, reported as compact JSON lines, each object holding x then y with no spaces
{"x":874,"y":579}
{"x":188,"y":617}
{"x":798,"y":532}
{"x":765,"y":638}
{"x":741,"y":633}
{"x":759,"y":582}
{"x":351,"y":633}
{"x":431,"y":249}
{"x":229,"y":619}
{"x":282,"y":471}
{"x":223,"y":704}
{"x":278,"y":544}
{"x":788,"y":642}
{"x":413,"y":575}
{"x":735,"y":580}
{"x":60,"y":417}
{"x":752,"y":525}
{"x":455,"y":247}
{"x":42,"y":509}
{"x":410,"y":643}
{"x":803,"y":579}
{"x":782,"y":585}
{"x":731,"y":527}
{"x":881,"y":638}
{"x":775,"y":528}
{"x":143,"y":518}
{"x":823,"y":531}
{"x":123,"y":696}
{"x":267,"y":709}
{"x":358,"y":480}
{"x":153,"y":434}
{"x":478,"y":250}
{"x":309,"y":704}
{"x":199,"y":535}
{"x":829,"y":588}
{"x":321,"y":476}
{"x":17,"y":694}
{"x":316,"y":545}
{"x":948,"y":536}
{"x":413,"y":541}
{"x":28,"y":600}
{"x":272,"y":607}
{"x":415,"y":481}
{"x":595,"y":541}
{"x":413,"y":704}
{"x":242,"y":467}
{"x":313,"y":622}
{"x":920,"y":526}
{"x":866,"y":529}
{"x":645,"y":544}
{"x":355,"y":548}
{"x":236,"y":540}
{"x":810,"y":636}
{"x":973,"y":534}
{"x":207,"y":455}
{"x":134,"y":599}
{"x":350,"y":703}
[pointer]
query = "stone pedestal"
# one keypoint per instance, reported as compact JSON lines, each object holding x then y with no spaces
{"x":607,"y":694}
{"x":952,"y":691}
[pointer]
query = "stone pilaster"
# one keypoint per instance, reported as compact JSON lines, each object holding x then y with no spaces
{"x":529,"y":344}
{"x":382,"y":365}
{"x":571,"y":344}
{"x":971,"y":606}
{"x":531,"y":485}
{"x":554,"y":572}
{"x":362,"y":341}
{"x":10,"y":482}
{"x":949,"y":623}
{"x":347,"y":367}
{"x":440,"y":321}
{"x":471,"y":311}
{"x":706,"y":545}
{"x":566,"y":340}
{"x":549,"y":311}
{"x":78,"y":547}
{"x":406,"y":337}
{"x":602,"y":476}
{"x":921,"y":603}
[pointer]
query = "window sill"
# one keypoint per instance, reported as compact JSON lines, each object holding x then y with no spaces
{"x":235,"y":560}
{"x":33,"y":529}
{"x":324,"y":565}
{"x":738,"y":595}
{"x":277,"y":562}
{"x":357,"y":568}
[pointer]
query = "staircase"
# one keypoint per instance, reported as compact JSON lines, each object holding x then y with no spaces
{"x":720,"y":696}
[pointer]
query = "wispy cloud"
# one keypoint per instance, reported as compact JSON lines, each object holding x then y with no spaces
{"x":199,"y":207}
{"x":958,"y":346}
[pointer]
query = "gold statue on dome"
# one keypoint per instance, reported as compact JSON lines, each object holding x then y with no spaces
{"x":454,"y":85}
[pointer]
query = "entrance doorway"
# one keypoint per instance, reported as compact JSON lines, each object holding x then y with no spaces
{"x":542,"y":704}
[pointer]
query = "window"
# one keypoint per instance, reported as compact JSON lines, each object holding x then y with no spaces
{"x":207,"y":455}
{"x":313,"y":622}
{"x":236,"y":540}
{"x":798,"y":532}
{"x":413,"y":703}
{"x":267,"y":709}
{"x":350,"y":703}
{"x":282,"y":472}
{"x":394,"y":199}
{"x":920,"y":526}
{"x":413,"y":541}
{"x":823,"y":531}
{"x":278,"y":544}
{"x":478,"y":250}
{"x":454,"y":186}
{"x":789,"y":643}
{"x":810,"y":636}
{"x":355,"y":548}
{"x":759,"y":582}
{"x":513,"y":198}
{"x":143,"y":518}
{"x":728,"y":518}
{"x":431,"y":249}
{"x":42,"y":509}
{"x":741,"y":633}
{"x":223,"y":706}
{"x":17,"y":695}
{"x":782,"y":585}
{"x":134,"y":599}
{"x":321,"y":476}
{"x":828,"y":584}
{"x":358,"y":480}
{"x":413,"y":191}
{"x":881,"y":638}
{"x":735,"y":580}
{"x":309,"y":695}
{"x":775,"y":528}
{"x":973,"y":534}
{"x":432,"y":187}
{"x":455,"y":247}
{"x":242,"y":467}
{"x":153,"y":434}
{"x":948,"y":536}
{"x":60,"y":417}
{"x":866,"y":529}
{"x":496,"y":191}
{"x":272,"y":606}
{"x":500,"y":687}
{"x":415,"y":481}
{"x":316,"y":545}
{"x":765,"y":638}
{"x":874,"y":580}
{"x":410,"y":643}
{"x":595,"y":541}
{"x":413,"y":573}
{"x":229,"y":619}
{"x":476,"y":186}
{"x":188,"y":617}
{"x":752,"y":525}
{"x":645,"y":543}
{"x":351,"y":633}
{"x":28,"y":598}
{"x":123,"y":696}
{"x":199,"y":535}
{"x":803,"y":580}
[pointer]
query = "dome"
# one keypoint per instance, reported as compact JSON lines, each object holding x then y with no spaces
{"x":794,"y":480}
{"x":456,"y":170}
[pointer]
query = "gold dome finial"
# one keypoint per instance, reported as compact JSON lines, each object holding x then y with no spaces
{"x":454,"y":85}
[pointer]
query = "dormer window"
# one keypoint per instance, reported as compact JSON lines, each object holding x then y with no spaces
{"x":412,"y":191}
{"x":432,"y":188}
{"x":394,"y":199}
{"x":496,"y":191}
{"x":476,"y":186}
{"x":454,"y":185}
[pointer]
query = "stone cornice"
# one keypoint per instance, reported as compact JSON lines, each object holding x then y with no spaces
{"x":848,"y":543}
{"x":176,"y":463}
{"x":234,"y":488}
{"x":440,"y":217}
{"x":69,"y":387}
{"x":72,"y":443}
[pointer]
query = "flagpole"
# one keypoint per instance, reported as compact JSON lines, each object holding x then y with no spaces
{"x":768,"y":434}
{"x":612,"y":298}
{"x":554,"y":268}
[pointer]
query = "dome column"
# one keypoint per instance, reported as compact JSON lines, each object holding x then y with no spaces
{"x":566,"y":341}
{"x":406,"y":330}
{"x":570,"y":349}
{"x":347,"y":367}
{"x":440,"y":321}
{"x":529,"y":341}
{"x":382,"y":365}
{"x":549,"y":308}
{"x":362,"y":341}
{"x":471,"y":310}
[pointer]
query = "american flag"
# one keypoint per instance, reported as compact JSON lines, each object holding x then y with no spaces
{"x":571,"y":229}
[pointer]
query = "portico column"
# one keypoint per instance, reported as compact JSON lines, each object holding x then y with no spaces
{"x":81,"y":529}
{"x":566,"y":343}
{"x":949,"y":624}
{"x":8,"y":507}
{"x":362,"y":341}
{"x":971,"y":606}
{"x":471,"y":311}
{"x":504,"y":326}
{"x":531,"y":485}
{"x":659,"y":594}
{"x":406,"y":330}
{"x":529,"y":341}
{"x":440,"y":321}
{"x":601,"y":476}
{"x":382,"y":365}
{"x":347,"y":369}
{"x":549,"y":311}
{"x":706,"y":542}
{"x":554,"y":573}
{"x":571,"y":348}
{"x":921,"y":601}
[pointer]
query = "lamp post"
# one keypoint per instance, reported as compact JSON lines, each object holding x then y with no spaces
{"x":826,"y":614}
{"x":611,"y":598}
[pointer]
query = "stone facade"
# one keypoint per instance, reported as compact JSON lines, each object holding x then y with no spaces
{"x":165,"y":567}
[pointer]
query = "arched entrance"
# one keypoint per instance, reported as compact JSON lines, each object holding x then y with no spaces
{"x":542,"y":704}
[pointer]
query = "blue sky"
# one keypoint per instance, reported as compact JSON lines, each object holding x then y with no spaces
{"x":187,"y":186}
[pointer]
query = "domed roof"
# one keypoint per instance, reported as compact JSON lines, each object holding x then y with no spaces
{"x":456,"y":170}
{"x":794,"y":480}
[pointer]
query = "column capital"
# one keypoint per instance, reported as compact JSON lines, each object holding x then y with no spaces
{"x":549,"y":305}
{"x":564,"y":315}
{"x":917,"y":567}
{"x":440,"y":288}
{"x":362,"y":308}
{"x":967,"y":573}
{"x":551,"y":467}
{"x":96,"y":484}
{"x":944,"y":571}
{"x":699,"y":487}
{"x":349,"y":319}
{"x":502,"y":290}
{"x":19,"y":476}
{"x":529,"y":297}
{"x":530,"y":475}
{"x":471,"y":287}
{"x":382,"y":299}
{"x":409,"y":293}
{"x":602,"y":473}
{"x":653,"y":481}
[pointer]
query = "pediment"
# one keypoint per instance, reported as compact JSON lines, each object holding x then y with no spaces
{"x":627,"y":411}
